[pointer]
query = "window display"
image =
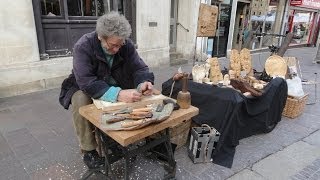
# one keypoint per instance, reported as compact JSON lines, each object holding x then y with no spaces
{"x":263,"y":22}
{"x":301,"y":26}
{"x":303,"y":21}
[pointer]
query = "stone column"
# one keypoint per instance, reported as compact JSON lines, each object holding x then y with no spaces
{"x":18,"y":39}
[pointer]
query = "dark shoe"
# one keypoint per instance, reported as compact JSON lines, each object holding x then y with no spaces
{"x":93,"y":160}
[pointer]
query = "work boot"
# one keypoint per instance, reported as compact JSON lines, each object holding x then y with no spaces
{"x":92,"y":159}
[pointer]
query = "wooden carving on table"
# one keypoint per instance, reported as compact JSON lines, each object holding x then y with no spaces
{"x":207,"y":20}
{"x":215,"y":71}
{"x":226,"y":80}
{"x":235,"y":65}
{"x":246,"y":61}
{"x":198,"y":73}
{"x":244,"y":87}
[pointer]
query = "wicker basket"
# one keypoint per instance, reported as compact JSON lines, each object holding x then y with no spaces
{"x":294,"y":106}
{"x":180,"y":133}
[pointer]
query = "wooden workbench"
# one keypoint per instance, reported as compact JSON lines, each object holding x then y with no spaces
{"x":125,"y":138}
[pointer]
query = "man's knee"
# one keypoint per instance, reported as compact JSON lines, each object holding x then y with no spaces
{"x":80,"y":99}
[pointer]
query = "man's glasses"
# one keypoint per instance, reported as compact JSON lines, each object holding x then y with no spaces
{"x":112,"y":46}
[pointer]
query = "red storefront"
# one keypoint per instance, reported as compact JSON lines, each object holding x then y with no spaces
{"x":303,"y":21}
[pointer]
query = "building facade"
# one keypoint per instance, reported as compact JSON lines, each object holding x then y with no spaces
{"x":37,"y":36}
{"x":266,"y":19}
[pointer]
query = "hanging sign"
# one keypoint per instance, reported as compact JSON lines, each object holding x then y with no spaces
{"x":207,"y":20}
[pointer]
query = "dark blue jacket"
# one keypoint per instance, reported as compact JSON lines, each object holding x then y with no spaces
{"x":91,"y":72}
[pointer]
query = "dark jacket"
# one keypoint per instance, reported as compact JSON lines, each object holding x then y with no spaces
{"x":91,"y":72}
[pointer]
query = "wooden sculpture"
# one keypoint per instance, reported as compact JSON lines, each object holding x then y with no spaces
{"x":226,"y":80}
{"x":235,"y":63}
{"x":276,"y":66}
{"x":215,"y":71}
{"x":246,"y":61}
{"x":198,"y":73}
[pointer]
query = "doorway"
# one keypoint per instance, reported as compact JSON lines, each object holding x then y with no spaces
{"x":217,"y":45}
{"x":173,"y":25}
{"x":241,"y":24}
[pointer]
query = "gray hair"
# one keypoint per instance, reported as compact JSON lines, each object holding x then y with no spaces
{"x":113,"y":24}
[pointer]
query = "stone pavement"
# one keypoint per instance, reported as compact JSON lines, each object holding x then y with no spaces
{"x":37,"y":140}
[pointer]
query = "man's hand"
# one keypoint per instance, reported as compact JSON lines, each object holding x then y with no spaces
{"x":129,"y":95}
{"x":146,"y":88}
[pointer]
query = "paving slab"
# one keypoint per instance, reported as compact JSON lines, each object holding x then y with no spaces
{"x":286,"y":133}
{"x":194,"y":169}
{"x":308,"y":120}
{"x":310,"y":172}
{"x":252,"y":149}
{"x":313,"y":139}
{"x":55,"y":171}
{"x":288,"y":162}
{"x":247,"y":174}
{"x":23,"y":144}
{"x":216,"y":172}
{"x":11,"y":168}
{"x":183,"y":174}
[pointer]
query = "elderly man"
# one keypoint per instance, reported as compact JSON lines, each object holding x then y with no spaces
{"x":106,"y":66}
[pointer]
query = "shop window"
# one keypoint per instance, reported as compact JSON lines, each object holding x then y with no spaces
{"x":50,"y":7}
{"x":227,"y":2}
{"x":60,"y":23}
{"x":301,"y":26}
{"x":216,"y":46}
{"x":87,"y":7}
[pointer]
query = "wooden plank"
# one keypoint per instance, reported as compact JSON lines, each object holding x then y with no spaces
{"x":125,"y":138}
{"x":146,"y":100}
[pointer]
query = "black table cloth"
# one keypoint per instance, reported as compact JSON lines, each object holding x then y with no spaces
{"x":232,"y":114}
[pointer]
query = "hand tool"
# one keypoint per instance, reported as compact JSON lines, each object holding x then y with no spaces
{"x":136,"y":123}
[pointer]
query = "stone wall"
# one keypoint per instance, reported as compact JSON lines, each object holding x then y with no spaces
{"x":21,"y":70}
{"x":153,"y":22}
{"x":18,"y":42}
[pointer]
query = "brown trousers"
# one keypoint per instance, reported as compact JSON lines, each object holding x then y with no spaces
{"x":84,"y":129}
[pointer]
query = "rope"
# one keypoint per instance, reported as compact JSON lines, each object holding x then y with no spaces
{"x":206,"y":149}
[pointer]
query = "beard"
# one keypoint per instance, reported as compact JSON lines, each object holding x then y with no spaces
{"x":110,"y":52}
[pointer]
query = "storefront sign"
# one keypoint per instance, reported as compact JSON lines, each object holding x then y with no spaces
{"x":314,"y":4}
{"x":295,"y":2}
{"x":274,"y":2}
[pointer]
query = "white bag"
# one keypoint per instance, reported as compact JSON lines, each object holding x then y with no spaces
{"x":295,"y":87}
